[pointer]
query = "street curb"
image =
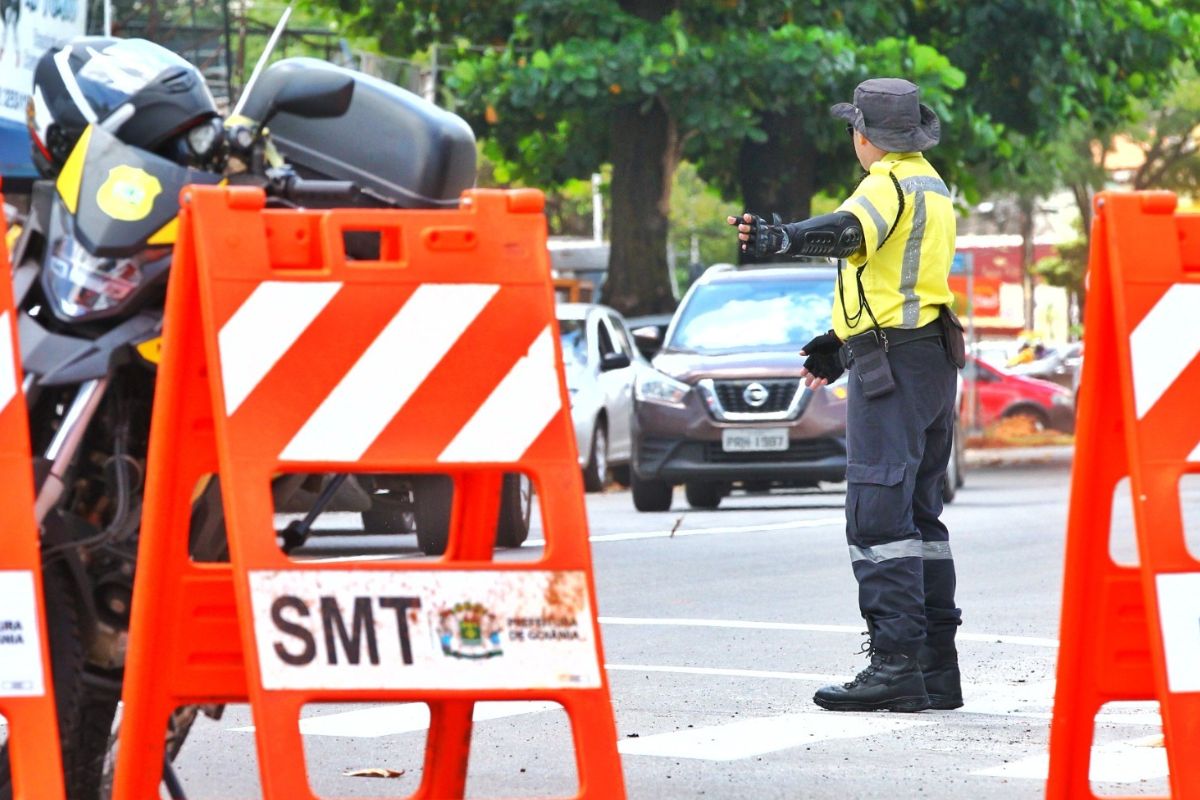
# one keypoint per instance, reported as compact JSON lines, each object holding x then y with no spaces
{"x":1058,"y":455}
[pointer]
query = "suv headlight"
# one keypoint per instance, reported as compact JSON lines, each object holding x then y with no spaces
{"x":661,"y":389}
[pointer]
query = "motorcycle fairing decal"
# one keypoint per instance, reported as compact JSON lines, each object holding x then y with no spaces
{"x":167,"y":233}
{"x":151,"y":350}
{"x":70,"y":179}
{"x":128,"y":193}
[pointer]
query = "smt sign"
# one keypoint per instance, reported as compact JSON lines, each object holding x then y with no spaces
{"x":393,"y":629}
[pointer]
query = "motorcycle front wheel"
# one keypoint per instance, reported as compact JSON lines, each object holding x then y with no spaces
{"x":84,"y":716}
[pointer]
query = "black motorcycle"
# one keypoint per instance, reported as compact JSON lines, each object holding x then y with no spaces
{"x":122,"y":128}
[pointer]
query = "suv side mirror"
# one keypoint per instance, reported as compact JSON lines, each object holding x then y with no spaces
{"x":317,"y":96}
{"x":611,"y":361}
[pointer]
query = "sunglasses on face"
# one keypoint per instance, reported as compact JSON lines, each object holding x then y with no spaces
{"x":850,"y":130}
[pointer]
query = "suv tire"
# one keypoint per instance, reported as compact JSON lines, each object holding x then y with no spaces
{"x":651,"y":494}
{"x":703,"y":494}
{"x":516,"y":505}
{"x":432,"y":498}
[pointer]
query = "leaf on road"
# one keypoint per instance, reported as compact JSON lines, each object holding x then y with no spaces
{"x":373,"y":772}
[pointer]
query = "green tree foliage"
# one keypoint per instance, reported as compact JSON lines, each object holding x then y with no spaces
{"x":556,"y":88}
{"x":1169,"y":132}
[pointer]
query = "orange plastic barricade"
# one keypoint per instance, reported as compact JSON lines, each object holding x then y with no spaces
{"x":1133,"y":633}
{"x":281,"y":355}
{"x":26,"y":688}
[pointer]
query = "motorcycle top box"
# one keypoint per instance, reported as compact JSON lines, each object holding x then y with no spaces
{"x":403,"y":148}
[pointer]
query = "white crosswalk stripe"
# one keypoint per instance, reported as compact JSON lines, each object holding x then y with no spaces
{"x":1131,"y":761}
{"x":753,"y":737}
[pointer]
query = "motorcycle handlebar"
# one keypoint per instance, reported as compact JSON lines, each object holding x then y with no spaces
{"x":301,"y":190}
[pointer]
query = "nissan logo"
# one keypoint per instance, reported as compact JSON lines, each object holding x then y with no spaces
{"x":755,"y":395}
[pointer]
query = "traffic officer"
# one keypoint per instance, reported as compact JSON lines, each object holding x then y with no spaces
{"x":893,"y":328}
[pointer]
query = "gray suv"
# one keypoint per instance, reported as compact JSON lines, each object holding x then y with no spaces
{"x":724,"y":406}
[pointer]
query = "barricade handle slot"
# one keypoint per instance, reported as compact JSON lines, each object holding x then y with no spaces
{"x":370,"y":238}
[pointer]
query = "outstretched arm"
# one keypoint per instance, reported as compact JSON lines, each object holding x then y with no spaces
{"x":835,"y":235}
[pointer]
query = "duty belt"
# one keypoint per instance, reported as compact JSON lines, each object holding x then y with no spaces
{"x":889,"y":337}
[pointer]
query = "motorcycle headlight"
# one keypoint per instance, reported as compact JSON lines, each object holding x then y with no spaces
{"x":661,"y":389}
{"x":202,"y":139}
{"x":80,"y":284}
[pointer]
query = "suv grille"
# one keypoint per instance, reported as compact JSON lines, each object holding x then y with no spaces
{"x":732,"y":395}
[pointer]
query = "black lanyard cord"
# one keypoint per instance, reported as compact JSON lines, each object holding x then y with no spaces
{"x":853,"y":321}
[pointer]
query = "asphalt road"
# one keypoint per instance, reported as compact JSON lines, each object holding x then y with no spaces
{"x":715,"y":639}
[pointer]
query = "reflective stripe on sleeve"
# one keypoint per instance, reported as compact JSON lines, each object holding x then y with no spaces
{"x":936,"y":551}
{"x":924,"y":183}
{"x":910,"y":268}
{"x":905,"y":548}
{"x":880,"y":226}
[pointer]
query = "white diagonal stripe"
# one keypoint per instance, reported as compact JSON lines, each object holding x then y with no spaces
{"x":1195,"y":455}
{"x":8,"y":368}
{"x":515,"y":413}
{"x":1163,"y":344}
{"x":389,"y":372}
{"x":752,"y":737}
{"x":262,"y":329}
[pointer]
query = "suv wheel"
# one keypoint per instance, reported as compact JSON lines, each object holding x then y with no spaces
{"x":651,"y":494}
{"x":595,"y":474}
{"x":432,"y":497}
{"x":516,"y":506}
{"x":703,"y":494}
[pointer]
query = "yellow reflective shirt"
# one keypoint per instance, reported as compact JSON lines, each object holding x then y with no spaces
{"x":906,"y":279}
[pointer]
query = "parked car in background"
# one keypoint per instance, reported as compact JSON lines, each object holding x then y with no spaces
{"x":724,"y":404}
{"x":1058,"y":364}
{"x":1001,"y":393}
{"x":956,"y":467}
{"x":600,"y":363}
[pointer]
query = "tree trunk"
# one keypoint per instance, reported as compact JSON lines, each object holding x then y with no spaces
{"x":777,"y":175}
{"x":644,"y":158}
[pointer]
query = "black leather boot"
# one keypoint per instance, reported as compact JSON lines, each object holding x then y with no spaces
{"x":939,"y":666}
{"x":892,"y":682}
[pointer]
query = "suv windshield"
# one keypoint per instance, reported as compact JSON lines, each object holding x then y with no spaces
{"x":755,"y":314}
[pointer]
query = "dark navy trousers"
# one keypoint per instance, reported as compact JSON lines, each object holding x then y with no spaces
{"x":898,"y":447}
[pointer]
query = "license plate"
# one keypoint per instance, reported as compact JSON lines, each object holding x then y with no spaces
{"x":749,"y":440}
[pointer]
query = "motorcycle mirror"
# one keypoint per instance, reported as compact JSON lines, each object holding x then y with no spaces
{"x":317,"y":96}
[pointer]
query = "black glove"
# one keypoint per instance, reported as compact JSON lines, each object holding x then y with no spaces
{"x":766,"y":239}
{"x":824,"y":356}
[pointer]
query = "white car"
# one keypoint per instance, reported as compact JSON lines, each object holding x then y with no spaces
{"x":600,"y":363}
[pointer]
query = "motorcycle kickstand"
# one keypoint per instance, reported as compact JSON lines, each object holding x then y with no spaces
{"x":297,"y":531}
{"x":171,"y":780}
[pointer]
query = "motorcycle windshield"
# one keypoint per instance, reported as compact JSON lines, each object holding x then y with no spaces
{"x":122,"y":197}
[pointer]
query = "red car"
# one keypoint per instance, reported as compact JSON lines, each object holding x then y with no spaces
{"x":1003,"y":394}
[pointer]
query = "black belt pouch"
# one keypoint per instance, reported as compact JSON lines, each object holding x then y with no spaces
{"x":870,"y":364}
{"x":956,"y":346}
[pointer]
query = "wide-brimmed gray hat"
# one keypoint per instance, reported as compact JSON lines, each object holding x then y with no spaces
{"x":889,"y":113}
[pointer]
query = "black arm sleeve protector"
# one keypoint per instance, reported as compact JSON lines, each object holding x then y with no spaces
{"x":835,"y":235}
